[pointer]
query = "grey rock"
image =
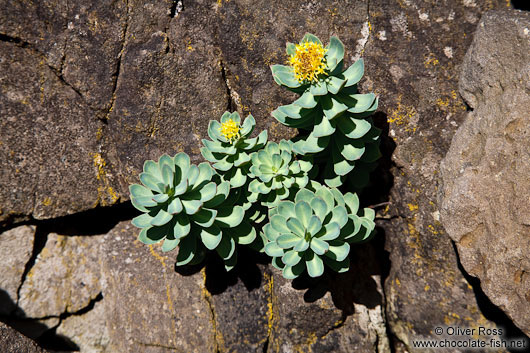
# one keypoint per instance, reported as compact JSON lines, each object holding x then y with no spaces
{"x":65,"y":277}
{"x":148,"y":306}
{"x":16,"y":247}
{"x":486,"y":188}
{"x":412,"y":55}
{"x":89,"y":331}
{"x":12,"y":341}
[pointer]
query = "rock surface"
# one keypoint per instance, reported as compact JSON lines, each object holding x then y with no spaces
{"x":65,"y":277}
{"x":148,"y":306}
{"x":485,"y":195}
{"x":12,"y":341}
{"x":16,"y":247}
{"x":91,"y":90}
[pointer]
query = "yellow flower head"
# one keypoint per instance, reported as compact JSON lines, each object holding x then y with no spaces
{"x":230,"y":130}
{"x":308,"y":62}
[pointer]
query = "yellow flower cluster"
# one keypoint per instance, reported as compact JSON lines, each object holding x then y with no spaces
{"x":308,"y":62}
{"x":230,"y":130}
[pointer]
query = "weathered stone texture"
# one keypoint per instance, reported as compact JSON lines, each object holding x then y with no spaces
{"x":486,"y":190}
{"x":16,"y":247}
{"x":51,"y":165}
{"x":148,"y":306}
{"x":65,"y":277}
{"x":89,"y":331}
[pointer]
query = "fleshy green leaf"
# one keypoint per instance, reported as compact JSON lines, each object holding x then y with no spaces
{"x":140,"y":191}
{"x":142,"y":221}
{"x":187,"y":248}
{"x":338,"y":251}
{"x":363,"y":102}
{"x":286,"y":241}
{"x":208,"y":192}
{"x":285,"y":76}
{"x":331,"y":231}
{"x":332,"y":107}
{"x":161,"y":218}
{"x":175,"y":207}
{"x":352,"y":201}
{"x":211,"y":237}
{"x":152,"y":183}
{"x":318,"y":89}
{"x":226,"y":247}
{"x":335,"y":84}
{"x":160,"y":198}
{"x":272,"y":249}
{"x":291,"y":258}
{"x":228,"y":218}
{"x":205,"y":217}
{"x":314,"y":225}
{"x":170,"y":244}
{"x":306,"y":100}
{"x":308,"y":37}
{"x":319,"y":207}
{"x":323,"y":128}
{"x":319,"y":246}
{"x":191,"y":206}
{"x":303,"y":214}
{"x":315,"y":266}
{"x":354,"y":73}
{"x":335,"y":52}
{"x":182,"y":226}
{"x":296,"y":226}
{"x":279,"y":223}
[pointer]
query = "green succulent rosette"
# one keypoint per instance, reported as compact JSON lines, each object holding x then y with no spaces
{"x":230,"y":147}
{"x":276,"y":172}
{"x":331,"y":114}
{"x":316,"y":230}
{"x":188,"y":206}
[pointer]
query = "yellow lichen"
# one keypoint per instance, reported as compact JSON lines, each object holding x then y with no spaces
{"x":308,"y":62}
{"x":47,"y":201}
{"x":230,"y":130}
{"x":413,"y":207}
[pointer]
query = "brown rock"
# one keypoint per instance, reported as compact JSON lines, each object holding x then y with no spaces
{"x":52,"y":164}
{"x":485,"y":172}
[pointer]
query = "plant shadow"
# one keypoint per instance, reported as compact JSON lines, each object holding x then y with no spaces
{"x":46,"y":337}
{"x":369,"y":262}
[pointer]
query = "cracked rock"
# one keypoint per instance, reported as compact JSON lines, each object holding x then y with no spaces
{"x":16,"y":246}
{"x":65,"y":277}
{"x":51,"y":163}
{"x":486,"y":189}
{"x":88,"y":331}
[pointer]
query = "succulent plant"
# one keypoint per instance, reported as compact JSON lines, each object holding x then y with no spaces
{"x":188,"y":206}
{"x":231,"y":145}
{"x":329,"y":109}
{"x":315,"y":230}
{"x":276,"y":172}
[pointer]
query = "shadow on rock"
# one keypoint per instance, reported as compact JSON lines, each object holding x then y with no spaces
{"x":218,"y":279}
{"x":44,"y":336}
{"x":368,"y":261}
